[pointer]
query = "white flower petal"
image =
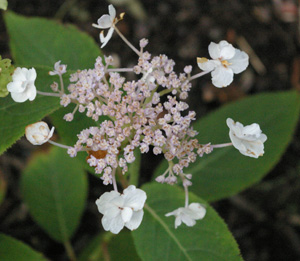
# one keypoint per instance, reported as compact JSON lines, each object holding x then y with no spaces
{"x":207,"y":65}
{"x":252,"y":129}
{"x":126,"y":214}
{"x":222,"y":77}
{"x":198,"y":210}
{"x":135,"y":220}
{"x":114,"y":225}
{"x":239,"y":62}
{"x":177,"y":221}
{"x":19,"y":97}
{"x":104,"y":22}
{"x":134,"y":198}
{"x":104,"y":202}
{"x":214,"y":50}
{"x":20,"y":74}
{"x":104,"y":40}
{"x":249,"y":140}
{"x":31,"y":92}
{"x":227,"y":51}
{"x":112,"y":12}
{"x":16,"y":87}
{"x":50,"y":133}
{"x":236,"y":142}
{"x":22,"y":87}
{"x":186,"y":219}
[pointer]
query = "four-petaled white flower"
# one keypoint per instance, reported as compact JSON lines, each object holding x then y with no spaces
{"x":226,"y":60}
{"x":59,"y":69}
{"x":249,"y":140}
{"x":107,"y":21}
{"x":38,"y":133}
{"x":188,"y":215}
{"x":22,"y":87}
{"x":121,"y":210}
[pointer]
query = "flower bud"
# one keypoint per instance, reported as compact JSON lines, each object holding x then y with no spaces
{"x":38,"y":133}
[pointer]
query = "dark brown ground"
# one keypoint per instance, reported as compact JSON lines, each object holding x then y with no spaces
{"x":265,"y":219}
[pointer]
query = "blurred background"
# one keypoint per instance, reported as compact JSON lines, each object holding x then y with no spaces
{"x":265,"y":219}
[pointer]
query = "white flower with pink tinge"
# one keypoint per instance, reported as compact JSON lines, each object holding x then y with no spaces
{"x":22,"y":87}
{"x":121,"y":210}
{"x":188,"y":215}
{"x":226,"y":61}
{"x":38,"y":133}
{"x":249,"y":140}
{"x":107,"y":21}
{"x":59,"y":69}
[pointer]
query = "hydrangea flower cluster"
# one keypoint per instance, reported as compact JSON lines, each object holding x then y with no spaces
{"x":146,"y":114}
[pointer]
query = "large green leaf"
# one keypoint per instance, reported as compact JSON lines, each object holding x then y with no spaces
{"x":38,"y":41}
{"x":208,"y":240}
{"x":14,"y":117}
{"x":12,"y":249}
{"x":54,"y":187}
{"x":225,"y":171}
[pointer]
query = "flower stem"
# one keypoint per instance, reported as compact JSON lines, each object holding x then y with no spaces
{"x":198,"y":75}
{"x":186,"y":190}
{"x":69,"y":250}
{"x":114,"y":180}
{"x":120,"y":70}
{"x":61,"y":83}
{"x":127,"y":42}
{"x":123,"y":181}
{"x":47,"y":93}
{"x":166,"y":91}
{"x":58,"y":144}
{"x":221,"y":145}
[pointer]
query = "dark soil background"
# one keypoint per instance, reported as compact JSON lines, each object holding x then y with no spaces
{"x":265,"y":219}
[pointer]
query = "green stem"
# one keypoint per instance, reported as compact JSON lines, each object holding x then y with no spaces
{"x":70,"y":251}
{"x":162,"y":93}
{"x":134,"y":169}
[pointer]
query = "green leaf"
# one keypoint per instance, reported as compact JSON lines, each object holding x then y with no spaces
{"x":208,"y":240}
{"x":13,"y":249}
{"x":14,"y":117}
{"x":54,"y":187}
{"x":121,"y":248}
{"x":6,"y":71}
{"x":38,"y":41}
{"x":225,"y":171}
{"x":110,"y":247}
{"x":3,"y":4}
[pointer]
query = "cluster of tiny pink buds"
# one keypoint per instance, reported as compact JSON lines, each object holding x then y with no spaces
{"x":138,"y":119}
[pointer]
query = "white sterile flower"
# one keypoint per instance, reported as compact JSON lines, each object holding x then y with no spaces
{"x":38,"y":133}
{"x":121,"y":210}
{"x":188,"y":215}
{"x":249,"y":140}
{"x":226,"y":60}
{"x":105,"y":22}
{"x":59,"y":69}
{"x":22,"y":87}
{"x":147,"y":76}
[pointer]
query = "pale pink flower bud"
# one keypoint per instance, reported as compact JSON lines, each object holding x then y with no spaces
{"x":38,"y":133}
